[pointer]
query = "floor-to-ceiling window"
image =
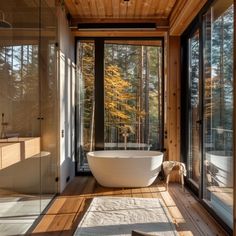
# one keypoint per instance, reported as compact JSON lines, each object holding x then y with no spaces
{"x":130,"y":87}
{"x":208,"y":144}
{"x":85,"y":98}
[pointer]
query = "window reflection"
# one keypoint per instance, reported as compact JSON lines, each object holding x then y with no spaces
{"x":218,"y":109}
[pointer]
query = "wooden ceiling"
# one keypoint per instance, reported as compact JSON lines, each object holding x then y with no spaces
{"x":120,"y":10}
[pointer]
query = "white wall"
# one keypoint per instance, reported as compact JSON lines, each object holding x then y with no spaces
{"x":66,"y":70}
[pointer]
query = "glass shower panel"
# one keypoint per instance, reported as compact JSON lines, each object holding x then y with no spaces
{"x":28,"y":126}
{"x":218,"y":109}
{"x":48,"y":103}
{"x":85,"y":102}
{"x":133,"y":91}
{"x":20,"y":191}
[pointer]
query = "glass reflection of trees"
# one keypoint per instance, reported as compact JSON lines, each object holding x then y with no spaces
{"x":19,"y":86}
{"x":219,"y":80}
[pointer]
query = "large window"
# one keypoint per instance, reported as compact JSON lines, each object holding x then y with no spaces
{"x":133,"y":104}
{"x":128,"y":82}
{"x":85,"y":102}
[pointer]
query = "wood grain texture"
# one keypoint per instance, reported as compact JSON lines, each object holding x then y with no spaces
{"x":173,"y":99}
{"x":10,"y":154}
{"x":68,"y":209}
{"x":120,"y":8}
{"x":182,"y":15}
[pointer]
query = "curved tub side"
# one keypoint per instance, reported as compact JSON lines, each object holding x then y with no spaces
{"x":125,"y":172}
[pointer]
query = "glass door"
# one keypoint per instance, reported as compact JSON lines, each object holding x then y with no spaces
{"x":218,"y":109}
{"x":208,"y":114}
{"x":194,"y":149}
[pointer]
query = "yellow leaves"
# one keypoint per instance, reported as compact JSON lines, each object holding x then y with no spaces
{"x":120,"y":97}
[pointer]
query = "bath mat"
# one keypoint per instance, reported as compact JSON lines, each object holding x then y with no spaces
{"x":120,"y":215}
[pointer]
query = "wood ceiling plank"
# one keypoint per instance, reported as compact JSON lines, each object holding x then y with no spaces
{"x":138,"y":8}
{"x":131,"y":9}
{"x":162,"y":7}
{"x":93,"y":8}
{"x":134,"y":9}
{"x":71,"y":7}
{"x":147,"y":5}
{"x":123,"y":8}
{"x":156,"y":12}
{"x":85,"y":6}
{"x":116,"y":8}
{"x":101,"y":8}
{"x":108,"y":4}
{"x":169,"y":8}
{"x":152,"y":9}
{"x":78,"y":7}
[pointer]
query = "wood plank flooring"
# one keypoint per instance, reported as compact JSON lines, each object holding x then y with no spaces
{"x":65,"y":212}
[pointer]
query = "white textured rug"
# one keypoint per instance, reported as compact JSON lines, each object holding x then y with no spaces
{"x":120,"y":215}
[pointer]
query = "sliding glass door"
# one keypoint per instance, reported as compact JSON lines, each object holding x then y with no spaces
{"x":208,"y":134}
{"x":218,"y":109}
{"x":119,"y":98}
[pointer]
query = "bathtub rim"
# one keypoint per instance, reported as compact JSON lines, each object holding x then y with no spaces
{"x":126,"y":154}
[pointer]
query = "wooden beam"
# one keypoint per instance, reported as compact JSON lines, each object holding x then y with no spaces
{"x":120,"y":33}
{"x":182,"y":15}
{"x":159,"y":21}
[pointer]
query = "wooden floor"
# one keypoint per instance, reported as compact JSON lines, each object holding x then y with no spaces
{"x":66,"y":210}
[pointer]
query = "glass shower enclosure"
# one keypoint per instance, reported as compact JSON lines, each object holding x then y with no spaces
{"x":28,"y":113}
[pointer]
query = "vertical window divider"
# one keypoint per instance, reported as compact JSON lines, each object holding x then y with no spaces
{"x":201,"y":102}
{"x":99,"y":94}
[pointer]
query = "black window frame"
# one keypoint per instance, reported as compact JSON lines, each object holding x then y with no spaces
{"x":99,"y":91}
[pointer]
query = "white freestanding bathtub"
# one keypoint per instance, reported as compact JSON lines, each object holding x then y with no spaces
{"x":128,"y":168}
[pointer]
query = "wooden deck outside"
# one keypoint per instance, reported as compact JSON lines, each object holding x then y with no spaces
{"x":65,"y":212}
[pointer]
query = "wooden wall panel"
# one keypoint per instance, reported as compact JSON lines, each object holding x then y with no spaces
{"x":173,"y":99}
